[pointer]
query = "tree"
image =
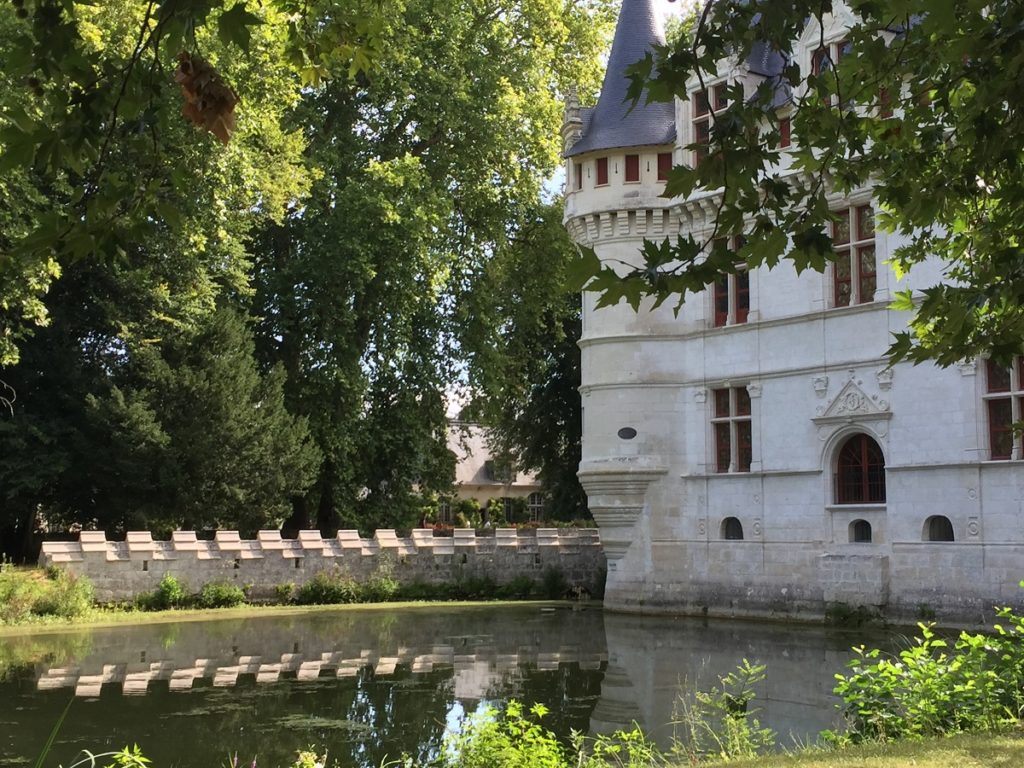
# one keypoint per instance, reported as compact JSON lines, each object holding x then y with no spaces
{"x":427,"y":164}
{"x":524,"y":358}
{"x":924,"y":105}
{"x":88,"y":91}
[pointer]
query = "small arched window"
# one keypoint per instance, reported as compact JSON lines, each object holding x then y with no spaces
{"x":860,"y":472}
{"x":938,"y":528}
{"x":860,"y":532}
{"x":732,"y":529}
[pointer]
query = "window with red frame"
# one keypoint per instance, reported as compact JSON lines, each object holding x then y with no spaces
{"x":785,"y":132}
{"x":732,"y":293}
{"x":664,"y":165}
{"x":577,"y":176}
{"x":731,"y":422}
{"x":854,"y":273}
{"x":602,"y":171}
{"x":706,"y":104}
{"x":1004,"y":403}
{"x":860,"y":472}
{"x":632,"y":167}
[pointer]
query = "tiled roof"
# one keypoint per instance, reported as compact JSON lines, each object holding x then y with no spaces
{"x":611,"y":124}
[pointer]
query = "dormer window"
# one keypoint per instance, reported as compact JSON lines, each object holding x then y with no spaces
{"x":825,"y":58}
{"x":602,"y":171}
{"x":706,"y":104}
{"x":632,"y":168}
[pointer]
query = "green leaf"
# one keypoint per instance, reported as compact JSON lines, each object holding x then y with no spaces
{"x":233,"y":26}
{"x":582,"y":270}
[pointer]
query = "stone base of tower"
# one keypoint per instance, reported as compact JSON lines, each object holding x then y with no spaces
{"x":759,"y":580}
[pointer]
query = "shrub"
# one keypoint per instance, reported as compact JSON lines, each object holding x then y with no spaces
{"x":379,"y":588}
{"x":553,"y":584}
{"x":171,"y":593}
{"x":68,"y":596}
{"x":475,"y":588}
{"x":521,"y":587}
{"x":27,"y":592}
{"x":285,"y":593}
{"x":935,"y":687}
{"x":328,"y":587}
{"x":220,"y":595}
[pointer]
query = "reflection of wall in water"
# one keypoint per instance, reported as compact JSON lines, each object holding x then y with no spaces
{"x":650,"y":660}
{"x":339,"y":644}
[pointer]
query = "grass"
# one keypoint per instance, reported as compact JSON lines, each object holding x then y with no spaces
{"x":113,"y":617}
{"x":960,"y":751}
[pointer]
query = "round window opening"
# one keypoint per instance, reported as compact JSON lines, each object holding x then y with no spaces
{"x":627,"y":433}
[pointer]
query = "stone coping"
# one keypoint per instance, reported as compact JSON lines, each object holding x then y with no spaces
{"x":140,"y":545}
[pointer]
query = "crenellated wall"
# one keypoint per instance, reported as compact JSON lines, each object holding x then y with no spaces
{"x":120,"y":570}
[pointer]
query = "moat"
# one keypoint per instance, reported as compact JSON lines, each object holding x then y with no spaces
{"x":374,"y":684}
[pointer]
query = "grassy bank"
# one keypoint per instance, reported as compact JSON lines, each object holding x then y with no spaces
{"x":114,"y":617}
{"x":33,"y":599}
{"x":960,"y":751}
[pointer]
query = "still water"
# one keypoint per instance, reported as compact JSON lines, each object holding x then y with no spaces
{"x":372,"y":684}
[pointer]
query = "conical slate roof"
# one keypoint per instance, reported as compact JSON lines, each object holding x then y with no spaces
{"x":611,"y":124}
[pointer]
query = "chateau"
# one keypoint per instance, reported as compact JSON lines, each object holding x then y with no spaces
{"x":754,"y":455}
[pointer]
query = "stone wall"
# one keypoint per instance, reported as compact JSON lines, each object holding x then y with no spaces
{"x":120,"y":570}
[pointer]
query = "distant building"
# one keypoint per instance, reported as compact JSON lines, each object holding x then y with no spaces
{"x":482,"y":476}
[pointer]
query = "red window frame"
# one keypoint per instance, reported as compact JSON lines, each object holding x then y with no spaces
{"x":731,"y":425}
{"x":602,"y":171}
{"x":577,"y":176}
{"x":731,"y":293}
{"x":785,"y":132}
{"x":632,"y":168}
{"x":860,"y":472}
{"x":664,"y":165}
{"x":1004,"y":406}
{"x":854,"y":270}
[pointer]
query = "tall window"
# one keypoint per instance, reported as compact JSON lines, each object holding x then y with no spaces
{"x":602,"y":171}
{"x":664,"y":165}
{"x":632,"y":167}
{"x":1005,"y":403}
{"x":577,"y":176}
{"x":860,"y":472}
{"x":535,"y":505}
{"x":706,"y":104}
{"x":732,"y":294}
{"x":854,"y":273}
{"x":785,"y":132}
{"x":731,"y":425}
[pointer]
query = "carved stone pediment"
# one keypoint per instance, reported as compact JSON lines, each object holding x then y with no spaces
{"x":853,"y":404}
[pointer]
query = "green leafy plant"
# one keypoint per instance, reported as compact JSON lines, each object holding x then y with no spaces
{"x":220,"y":595}
{"x":170,"y":593}
{"x":720,"y":723}
{"x":937,"y":686}
{"x":553,"y":584}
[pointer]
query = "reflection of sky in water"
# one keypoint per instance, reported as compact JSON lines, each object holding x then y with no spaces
{"x":370,"y":685}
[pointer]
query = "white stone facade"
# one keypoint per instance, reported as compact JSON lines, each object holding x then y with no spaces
{"x":815,"y":376}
